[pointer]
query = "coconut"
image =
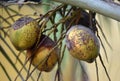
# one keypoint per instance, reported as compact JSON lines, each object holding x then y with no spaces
{"x":24,"y":33}
{"x":82,"y":43}
{"x":46,"y":56}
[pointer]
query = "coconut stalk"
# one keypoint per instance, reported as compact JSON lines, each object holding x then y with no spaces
{"x":103,"y":7}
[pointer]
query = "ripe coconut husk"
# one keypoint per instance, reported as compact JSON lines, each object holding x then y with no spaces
{"x":82,"y":43}
{"x":46,"y":56}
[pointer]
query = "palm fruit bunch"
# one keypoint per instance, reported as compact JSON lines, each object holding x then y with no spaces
{"x":24,"y":35}
{"x":82,"y":43}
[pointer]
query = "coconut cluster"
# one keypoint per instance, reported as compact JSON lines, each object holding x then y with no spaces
{"x":24,"y":36}
{"x":81,"y":42}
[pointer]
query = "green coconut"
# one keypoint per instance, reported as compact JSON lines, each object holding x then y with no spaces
{"x":24,"y":33}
